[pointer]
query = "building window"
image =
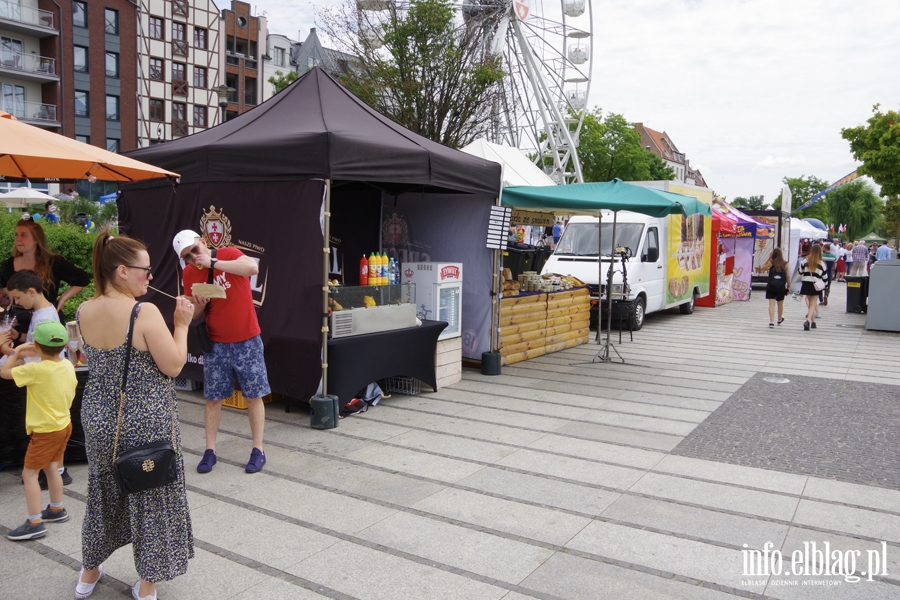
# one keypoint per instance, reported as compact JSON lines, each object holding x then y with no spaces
{"x":179,"y":118}
{"x":179,"y":79}
{"x":112,"y":64}
{"x":199,"y":116}
{"x":199,"y":38}
{"x":79,"y":14}
{"x":11,"y":51}
{"x":112,"y":144}
{"x":157,"y":110}
{"x":112,"y":108}
{"x":179,"y":38}
{"x":81,"y":103}
{"x":14,"y":100}
{"x":200,"y":77}
{"x":111,"y":21}
{"x":180,"y":7}
{"x":81,"y":59}
{"x":156,"y":28}
{"x":157,"y":69}
{"x":84,"y":139}
{"x":279,"y":57}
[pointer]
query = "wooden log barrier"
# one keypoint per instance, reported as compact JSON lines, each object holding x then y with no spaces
{"x":537,"y":324}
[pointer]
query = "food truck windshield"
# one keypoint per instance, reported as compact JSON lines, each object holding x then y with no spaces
{"x":580,"y":239}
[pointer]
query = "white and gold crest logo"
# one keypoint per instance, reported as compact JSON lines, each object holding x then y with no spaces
{"x":395,"y":231}
{"x":216,"y":228}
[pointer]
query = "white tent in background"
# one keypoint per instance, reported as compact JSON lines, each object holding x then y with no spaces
{"x":517,"y":169}
{"x":23,"y":196}
{"x":801,"y":230}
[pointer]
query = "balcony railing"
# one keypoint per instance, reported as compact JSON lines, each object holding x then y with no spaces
{"x":34,"y":111}
{"x":25,"y":14}
{"x":30,"y":63}
{"x":180,"y":47}
{"x":232,"y":58}
{"x":180,"y":87}
{"x":179,"y":127}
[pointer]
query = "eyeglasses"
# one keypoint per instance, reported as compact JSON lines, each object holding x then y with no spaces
{"x":195,"y":251}
{"x":147,"y":269}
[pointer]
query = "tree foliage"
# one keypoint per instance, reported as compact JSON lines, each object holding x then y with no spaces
{"x":857,"y":206}
{"x":432,"y":75}
{"x":877,"y":146}
{"x":610,"y":147}
{"x":751,"y":203}
{"x":802,"y":189}
{"x":282,"y":80}
{"x":891,"y":213}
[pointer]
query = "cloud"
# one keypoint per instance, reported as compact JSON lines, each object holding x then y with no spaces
{"x":780,"y":162}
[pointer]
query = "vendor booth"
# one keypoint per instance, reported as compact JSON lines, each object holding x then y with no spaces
{"x":748,"y":230}
{"x":724,"y":232}
{"x":314,"y":163}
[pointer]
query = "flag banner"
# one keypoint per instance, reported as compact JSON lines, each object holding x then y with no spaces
{"x":839,"y":183}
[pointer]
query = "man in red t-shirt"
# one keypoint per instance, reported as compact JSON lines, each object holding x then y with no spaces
{"x":234,"y":331}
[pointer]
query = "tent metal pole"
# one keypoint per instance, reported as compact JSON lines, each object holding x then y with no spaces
{"x":326,"y":255}
{"x":599,"y":273}
{"x":603,"y":355}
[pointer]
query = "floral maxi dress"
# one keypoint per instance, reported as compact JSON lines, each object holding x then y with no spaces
{"x":156,"y":521}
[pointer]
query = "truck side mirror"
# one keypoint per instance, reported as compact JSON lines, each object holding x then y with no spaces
{"x":652,"y":255}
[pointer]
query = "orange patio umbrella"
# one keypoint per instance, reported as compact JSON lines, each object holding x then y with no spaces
{"x":28,"y":152}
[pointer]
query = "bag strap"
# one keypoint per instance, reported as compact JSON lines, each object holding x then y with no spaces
{"x":128,"y":339}
{"x":210,"y":280}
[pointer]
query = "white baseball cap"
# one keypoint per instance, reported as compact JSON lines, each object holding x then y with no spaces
{"x":184,"y":240}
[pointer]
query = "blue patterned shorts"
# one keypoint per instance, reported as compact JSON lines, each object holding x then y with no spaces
{"x":244,"y":359}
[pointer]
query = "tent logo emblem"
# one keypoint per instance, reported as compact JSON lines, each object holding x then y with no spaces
{"x":395,"y":230}
{"x":216,"y":228}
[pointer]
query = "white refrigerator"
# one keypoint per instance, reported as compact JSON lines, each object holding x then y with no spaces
{"x":438,"y":293}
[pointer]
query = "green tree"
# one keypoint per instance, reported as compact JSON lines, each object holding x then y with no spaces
{"x":751,"y":203}
{"x":432,"y":75}
{"x":877,"y":146}
{"x":610,"y":148}
{"x":857,"y":206}
{"x":802,"y":189}
{"x":891,"y":213}
{"x":282,"y":80}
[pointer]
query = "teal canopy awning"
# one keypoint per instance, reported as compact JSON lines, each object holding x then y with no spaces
{"x":591,"y":198}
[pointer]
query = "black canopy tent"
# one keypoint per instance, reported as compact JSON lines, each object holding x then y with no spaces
{"x":311,"y":163}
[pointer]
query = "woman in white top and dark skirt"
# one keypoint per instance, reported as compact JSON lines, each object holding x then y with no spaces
{"x":812,"y":271}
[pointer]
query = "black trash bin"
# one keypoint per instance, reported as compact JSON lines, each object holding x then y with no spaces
{"x":518,"y":258}
{"x":857,"y":294}
{"x":541,"y":254}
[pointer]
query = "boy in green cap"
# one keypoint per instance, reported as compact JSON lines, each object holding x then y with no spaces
{"x":51,"y":390}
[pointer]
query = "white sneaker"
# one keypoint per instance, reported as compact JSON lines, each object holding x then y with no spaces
{"x":84,"y":590}
{"x":136,"y":595}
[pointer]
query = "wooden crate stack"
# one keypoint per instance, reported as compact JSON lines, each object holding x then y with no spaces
{"x":539,"y":324}
{"x":448,"y":361}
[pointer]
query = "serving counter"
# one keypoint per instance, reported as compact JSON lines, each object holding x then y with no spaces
{"x":534,"y":324}
{"x":356,"y":361}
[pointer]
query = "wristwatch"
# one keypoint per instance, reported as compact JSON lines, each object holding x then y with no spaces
{"x":212,"y":262}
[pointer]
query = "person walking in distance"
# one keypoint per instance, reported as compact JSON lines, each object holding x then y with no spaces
{"x":233,"y":329}
{"x":811,"y":271}
{"x":860,"y":256}
{"x":776,"y":287}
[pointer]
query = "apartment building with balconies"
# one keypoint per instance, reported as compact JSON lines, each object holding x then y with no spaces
{"x":29,"y":69}
{"x":243,"y":44}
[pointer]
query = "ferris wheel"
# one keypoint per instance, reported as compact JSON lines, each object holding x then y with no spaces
{"x":547,"y":57}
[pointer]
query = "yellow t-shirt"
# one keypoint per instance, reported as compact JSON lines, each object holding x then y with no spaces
{"x":51,"y":390}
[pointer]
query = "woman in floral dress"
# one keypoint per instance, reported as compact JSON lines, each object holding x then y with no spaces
{"x":155,"y":521}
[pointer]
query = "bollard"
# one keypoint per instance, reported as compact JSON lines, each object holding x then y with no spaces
{"x":324,"y":412}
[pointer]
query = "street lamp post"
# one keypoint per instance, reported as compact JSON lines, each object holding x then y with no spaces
{"x":223,"y":91}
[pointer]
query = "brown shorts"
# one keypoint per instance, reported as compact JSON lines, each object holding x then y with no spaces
{"x":45,"y":448}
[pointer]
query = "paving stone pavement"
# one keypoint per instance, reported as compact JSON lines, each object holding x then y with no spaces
{"x":559,"y":478}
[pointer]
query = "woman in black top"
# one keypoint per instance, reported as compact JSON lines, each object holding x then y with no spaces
{"x":31,"y":252}
{"x":776,"y":287}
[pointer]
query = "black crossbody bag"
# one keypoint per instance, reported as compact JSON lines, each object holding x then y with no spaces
{"x":200,"y":328}
{"x":149,"y":465}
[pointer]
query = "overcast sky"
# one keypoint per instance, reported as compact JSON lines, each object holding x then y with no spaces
{"x":750,"y":90}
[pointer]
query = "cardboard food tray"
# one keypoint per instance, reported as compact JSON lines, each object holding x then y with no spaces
{"x":209,"y":290}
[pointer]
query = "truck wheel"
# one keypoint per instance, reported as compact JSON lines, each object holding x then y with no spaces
{"x":637,"y":313}
{"x":688,"y":308}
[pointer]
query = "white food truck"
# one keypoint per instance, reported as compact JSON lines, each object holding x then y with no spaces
{"x":660,"y":263}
